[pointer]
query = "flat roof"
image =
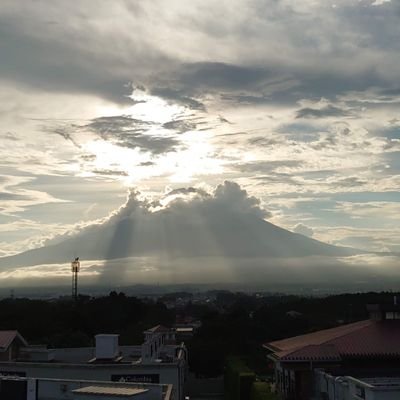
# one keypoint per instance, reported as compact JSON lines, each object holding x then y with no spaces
{"x":110,"y":391}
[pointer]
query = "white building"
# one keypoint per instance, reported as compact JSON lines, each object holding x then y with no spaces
{"x":62,"y":389}
{"x":331,"y":387}
{"x":156,"y":361}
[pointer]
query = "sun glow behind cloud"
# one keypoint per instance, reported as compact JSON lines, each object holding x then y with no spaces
{"x":146,"y":108}
{"x":193,"y":155}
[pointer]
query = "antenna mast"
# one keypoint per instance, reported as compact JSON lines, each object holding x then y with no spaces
{"x":75,"y":268}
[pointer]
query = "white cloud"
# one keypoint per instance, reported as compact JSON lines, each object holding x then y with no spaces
{"x":303,"y":230}
{"x":380,"y":2}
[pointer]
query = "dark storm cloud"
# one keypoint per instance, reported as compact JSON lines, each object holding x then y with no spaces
{"x":66,"y":132}
{"x":88,"y":157}
{"x":350,"y":182}
{"x":123,"y":131}
{"x":233,"y":82}
{"x":10,"y":136}
{"x":264,"y":141}
{"x":221,"y":75}
{"x":267,"y":166}
{"x":110,"y":172}
{"x":86,"y":55}
{"x":48,"y":65}
{"x":116,"y":124}
{"x":181,"y":125}
{"x":181,"y":97}
{"x":328,"y":111}
{"x":276,"y":177}
{"x":327,"y":142}
{"x":129,"y":132}
{"x":278,"y":84}
{"x":189,"y":190}
{"x":14,"y":196}
{"x":224,"y":120}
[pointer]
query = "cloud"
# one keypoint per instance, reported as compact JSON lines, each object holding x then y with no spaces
{"x":132,"y":133}
{"x":88,"y":54}
{"x":268,"y":166}
{"x":312,"y":110}
{"x":15,"y":198}
{"x":191,"y":222}
{"x":110,"y":172}
{"x":303,"y":230}
{"x":380,"y":2}
{"x":327,"y":111}
{"x":181,"y":125}
{"x":178,"y":97}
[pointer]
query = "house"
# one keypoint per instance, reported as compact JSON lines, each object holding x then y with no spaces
{"x":10,"y":344}
{"x":362,"y":346}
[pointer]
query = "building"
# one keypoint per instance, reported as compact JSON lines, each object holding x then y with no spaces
{"x":158,"y":360}
{"x":14,"y":388}
{"x":10,"y":343}
{"x":360,"y":347}
{"x":329,"y":386}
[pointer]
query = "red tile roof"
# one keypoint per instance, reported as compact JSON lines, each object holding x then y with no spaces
{"x":324,"y":352}
{"x":381,"y":338}
{"x":7,"y":337}
{"x":360,"y":339}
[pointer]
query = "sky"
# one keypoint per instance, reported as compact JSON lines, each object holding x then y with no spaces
{"x":296,"y":102}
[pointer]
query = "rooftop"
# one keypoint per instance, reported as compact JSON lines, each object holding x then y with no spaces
{"x":357,"y":340}
{"x":7,"y":337}
{"x":48,"y":388}
{"x":158,"y":329}
{"x":379,"y":382}
{"x":128,"y":355}
{"x":111,"y":353}
{"x":382,"y":381}
{"x":110,"y":391}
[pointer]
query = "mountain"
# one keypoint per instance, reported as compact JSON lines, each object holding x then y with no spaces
{"x":228,"y":224}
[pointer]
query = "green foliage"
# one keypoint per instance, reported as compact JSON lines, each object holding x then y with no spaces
{"x":64,"y":323}
{"x":238,"y":380}
{"x":240,"y":383}
{"x":238,"y":324}
{"x":261,"y":391}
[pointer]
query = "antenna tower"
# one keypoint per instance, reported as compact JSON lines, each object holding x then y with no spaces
{"x":75,"y":268}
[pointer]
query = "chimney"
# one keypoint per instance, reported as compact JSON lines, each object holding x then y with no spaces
{"x":106,"y":347}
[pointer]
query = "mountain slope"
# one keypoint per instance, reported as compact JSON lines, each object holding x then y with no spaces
{"x":206,"y":232}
